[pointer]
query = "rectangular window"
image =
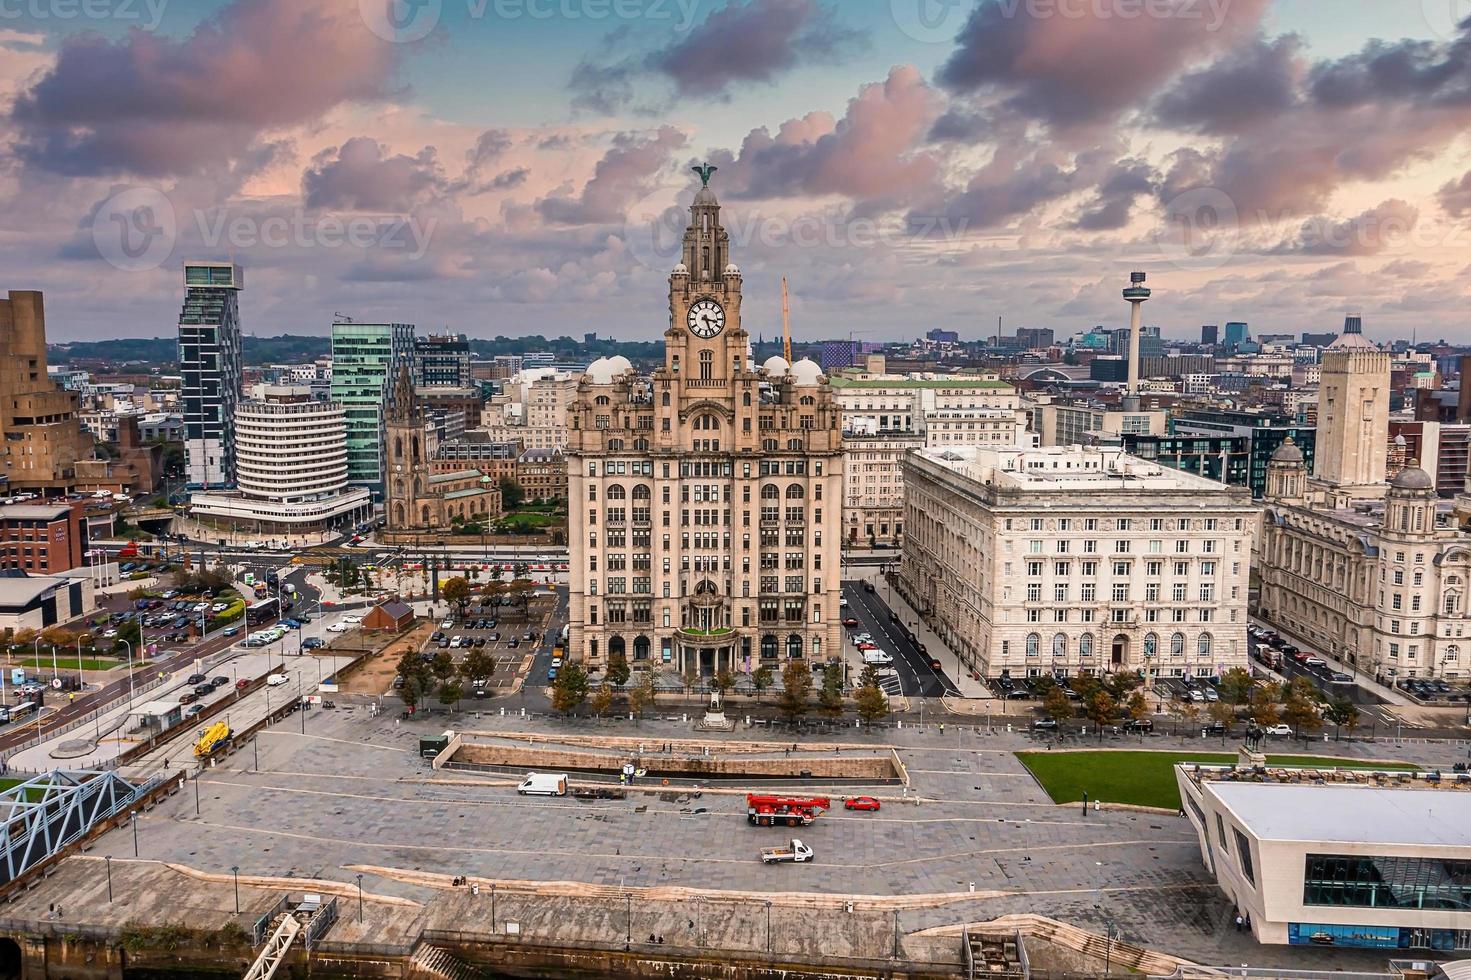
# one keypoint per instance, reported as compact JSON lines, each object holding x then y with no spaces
{"x":1243,"y":854}
{"x":1367,"y":881}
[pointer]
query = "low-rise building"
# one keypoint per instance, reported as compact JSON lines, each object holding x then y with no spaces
{"x":44,"y":539}
{"x":542,"y":474}
{"x":1372,"y":860}
{"x":1076,"y":560}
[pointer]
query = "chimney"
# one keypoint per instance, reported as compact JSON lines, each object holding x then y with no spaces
{"x":127,"y":433}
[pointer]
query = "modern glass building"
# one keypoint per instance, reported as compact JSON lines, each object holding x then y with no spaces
{"x":209,"y":361}
{"x":365,"y":362}
{"x":442,"y":361}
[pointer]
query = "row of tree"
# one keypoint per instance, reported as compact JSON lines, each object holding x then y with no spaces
{"x":440,"y":676}
{"x":1299,"y":704}
{"x":572,"y":689}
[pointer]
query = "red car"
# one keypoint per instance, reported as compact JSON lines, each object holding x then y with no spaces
{"x":850,"y":622}
{"x":860,"y":803}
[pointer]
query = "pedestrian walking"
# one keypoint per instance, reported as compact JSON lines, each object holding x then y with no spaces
{"x":1239,"y":921}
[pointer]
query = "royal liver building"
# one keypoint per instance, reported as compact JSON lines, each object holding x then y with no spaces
{"x":705,"y":498}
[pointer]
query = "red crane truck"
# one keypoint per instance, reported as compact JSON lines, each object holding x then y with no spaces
{"x":784,"y":811}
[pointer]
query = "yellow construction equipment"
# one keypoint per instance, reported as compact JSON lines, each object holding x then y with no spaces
{"x":786,"y":323}
{"x":213,"y":738}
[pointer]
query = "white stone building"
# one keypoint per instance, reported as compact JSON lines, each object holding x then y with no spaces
{"x":1076,"y":560}
{"x":290,"y":468}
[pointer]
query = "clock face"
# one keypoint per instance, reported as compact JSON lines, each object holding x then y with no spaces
{"x":706,"y":319}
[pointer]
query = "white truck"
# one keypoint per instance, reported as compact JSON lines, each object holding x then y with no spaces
{"x":543,"y":784}
{"x":877,"y":658}
{"x":794,"y":851}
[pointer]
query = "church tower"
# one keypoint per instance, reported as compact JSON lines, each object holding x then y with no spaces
{"x":705,"y":340}
{"x":406,"y":459}
{"x":1353,"y":425}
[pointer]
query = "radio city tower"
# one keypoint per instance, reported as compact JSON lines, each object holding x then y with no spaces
{"x":1136,"y":294}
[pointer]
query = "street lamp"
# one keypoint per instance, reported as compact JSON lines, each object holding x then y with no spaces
{"x":130,"y":670}
{"x":135,"y":832}
{"x":108,"y":858}
{"x":360,"y":898}
{"x":235,"y":870}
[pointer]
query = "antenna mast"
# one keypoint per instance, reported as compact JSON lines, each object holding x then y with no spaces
{"x":786,"y":323}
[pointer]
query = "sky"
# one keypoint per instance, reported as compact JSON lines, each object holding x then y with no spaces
{"x":506,"y":167}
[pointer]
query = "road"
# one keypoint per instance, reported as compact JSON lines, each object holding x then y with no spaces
{"x":916,"y":677}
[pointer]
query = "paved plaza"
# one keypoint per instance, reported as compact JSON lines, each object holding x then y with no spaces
{"x":972,"y":838}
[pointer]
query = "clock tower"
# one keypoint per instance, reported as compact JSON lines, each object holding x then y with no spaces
{"x":705,"y":340}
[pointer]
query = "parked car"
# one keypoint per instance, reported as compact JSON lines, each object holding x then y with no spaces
{"x":860,"y":803}
{"x":195,"y":679}
{"x":311,"y":643}
{"x":194,"y":710}
{"x":1214,"y":728}
{"x":219,"y":681}
{"x":1279,"y":731}
{"x":276,"y":680}
{"x":242,"y":684}
{"x":188,"y":697}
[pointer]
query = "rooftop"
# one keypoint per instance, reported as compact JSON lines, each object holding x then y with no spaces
{"x":838,"y":381}
{"x":1066,"y":468}
{"x":16,"y":592}
{"x":34,"y":512}
{"x":1352,"y":814}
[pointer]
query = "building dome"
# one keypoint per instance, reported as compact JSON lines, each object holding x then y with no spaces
{"x":706,"y":198}
{"x":1412,"y":477}
{"x":806,"y":372}
{"x":1287,"y":452}
{"x":620,"y":364}
{"x":732,"y":269}
{"x":601,"y":372}
{"x":776,"y":366}
{"x":680,"y":269}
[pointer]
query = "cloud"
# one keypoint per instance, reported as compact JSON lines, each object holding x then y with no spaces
{"x":1455,"y":196}
{"x":1249,"y":84}
{"x":743,"y":42}
{"x":620,"y":178}
{"x":360,"y":176}
{"x":873,"y":154}
{"x":150,"y":105}
{"x":1382,"y":227}
{"x":1085,"y":67}
{"x":1110,"y":209}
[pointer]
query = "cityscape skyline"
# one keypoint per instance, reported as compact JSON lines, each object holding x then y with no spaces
{"x":877,"y":161}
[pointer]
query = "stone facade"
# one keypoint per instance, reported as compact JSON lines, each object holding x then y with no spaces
{"x":418,"y":496}
{"x":41,"y":435}
{"x":1076,"y":561}
{"x":705,"y":498}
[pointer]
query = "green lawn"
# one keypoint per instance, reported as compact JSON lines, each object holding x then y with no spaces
{"x":1145,"y":778}
{"x":527,"y":520}
{"x":64,"y":662}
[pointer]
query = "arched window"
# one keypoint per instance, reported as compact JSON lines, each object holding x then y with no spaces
{"x":398,"y":447}
{"x":665,"y":400}
{"x":794,"y":646}
{"x":602,"y":400}
{"x":616,"y":492}
{"x":817,"y":648}
{"x":770,"y":492}
{"x":1059,"y":646}
{"x":1203,"y":645}
{"x":768,"y":647}
{"x":641,"y":492}
{"x":1452,"y":603}
{"x":1177,"y":645}
{"x":746,"y":399}
{"x":1085,"y":645}
{"x":1034,"y":644}
{"x":796,"y":491}
{"x":706,"y":422}
{"x":1151,"y":644}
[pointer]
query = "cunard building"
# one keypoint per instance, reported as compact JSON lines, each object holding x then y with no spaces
{"x":705,"y":499}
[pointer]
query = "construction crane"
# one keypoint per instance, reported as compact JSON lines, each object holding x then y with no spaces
{"x":213,"y":739}
{"x":786,"y":323}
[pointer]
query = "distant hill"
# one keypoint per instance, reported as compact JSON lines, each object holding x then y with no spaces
{"x":292,"y":349}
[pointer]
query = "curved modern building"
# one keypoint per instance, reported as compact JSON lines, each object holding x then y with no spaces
{"x":290,"y":467}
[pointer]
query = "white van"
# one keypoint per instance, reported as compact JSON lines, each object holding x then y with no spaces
{"x":543,"y":784}
{"x":878,"y":658}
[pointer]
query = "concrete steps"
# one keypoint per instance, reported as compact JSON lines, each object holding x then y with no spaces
{"x":1121,"y":955}
{"x":435,"y":961}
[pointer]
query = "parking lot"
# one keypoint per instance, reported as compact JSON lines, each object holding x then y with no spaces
{"x":509,"y":637}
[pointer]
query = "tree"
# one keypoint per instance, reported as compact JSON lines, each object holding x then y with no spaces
{"x":1120,"y":684}
{"x":569,"y":690}
{"x":1263,"y":705}
{"x":477,"y":665}
{"x":796,"y":678}
{"x":1190,"y":711}
{"x":417,"y":680}
{"x":723,"y":680}
{"x":127,"y":633}
{"x":641,"y":698}
{"x":1301,"y":714}
{"x":1222,"y":714}
{"x":442,"y":666}
{"x":1056,"y":705}
{"x":1044,"y":686}
{"x":1101,"y":709}
{"x":1136,"y":707}
{"x":456,"y":591}
{"x":1236,"y":685}
{"x":1085,"y":686}
{"x":830,"y":698}
{"x":1342,"y":711}
{"x":762,"y":679}
{"x":450,"y":692}
{"x":512,"y":495}
{"x":618,"y":670}
{"x":872,"y":703}
{"x":1302,"y":688}
{"x":601,"y":700}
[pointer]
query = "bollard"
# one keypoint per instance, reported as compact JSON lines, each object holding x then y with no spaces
{"x":503,"y":711}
